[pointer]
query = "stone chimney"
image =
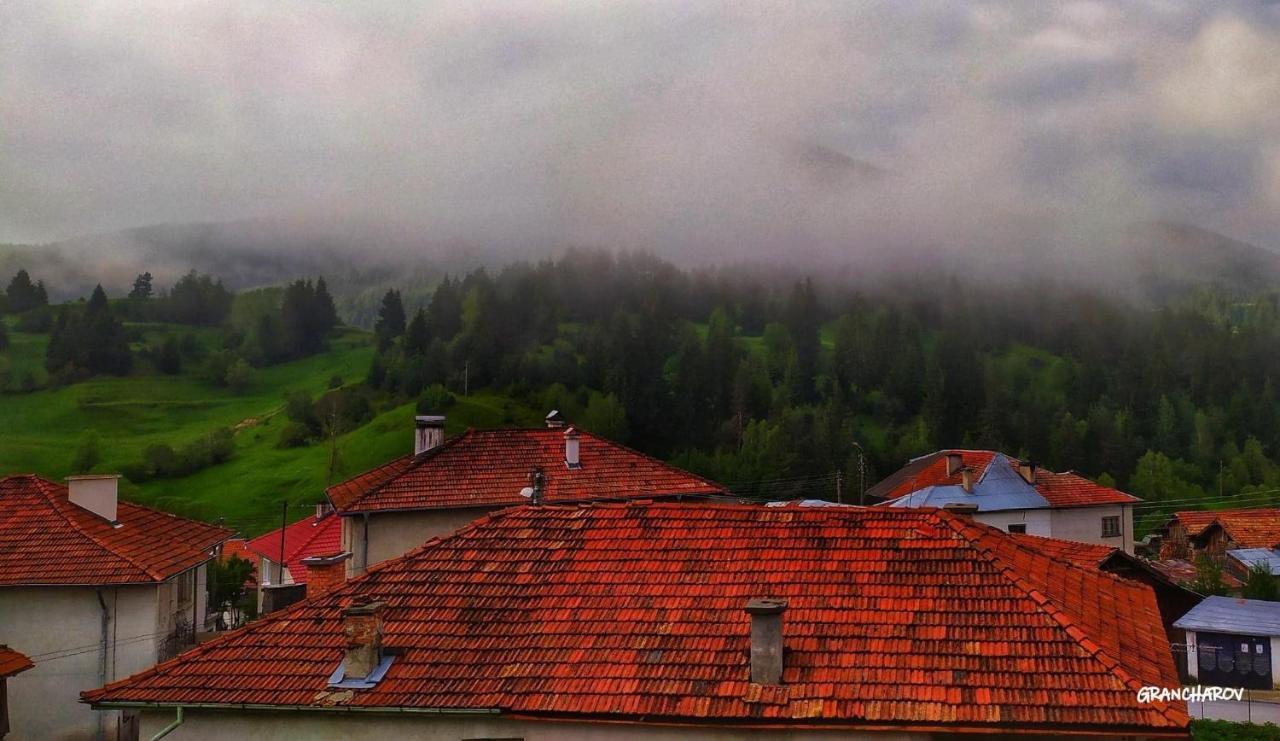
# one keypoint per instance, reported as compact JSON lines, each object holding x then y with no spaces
{"x":964,"y":509}
{"x":428,"y":432}
{"x":324,"y":573}
{"x":955,"y":462}
{"x":1027,"y":470}
{"x":966,"y":479}
{"x":555,"y":419}
{"x":362,"y":627}
{"x":98,"y":494}
{"x":572,"y":457}
{"x":766,"y":640}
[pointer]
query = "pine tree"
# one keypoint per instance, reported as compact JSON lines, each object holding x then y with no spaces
{"x":391,"y":319}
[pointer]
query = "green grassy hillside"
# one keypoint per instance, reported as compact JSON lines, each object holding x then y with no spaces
{"x":42,"y":430}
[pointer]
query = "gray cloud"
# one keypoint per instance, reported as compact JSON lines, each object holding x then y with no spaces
{"x":704,"y":130}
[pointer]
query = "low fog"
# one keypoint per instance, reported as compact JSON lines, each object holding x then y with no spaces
{"x":700,"y":131}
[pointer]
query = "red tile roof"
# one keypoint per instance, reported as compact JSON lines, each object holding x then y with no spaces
{"x":1182,"y":571}
{"x":1248,"y":529}
{"x":1195,"y":521}
{"x":488,"y":468}
{"x":12,"y":662}
{"x":897,"y":619}
{"x":1089,"y":555}
{"x":1067,"y":489}
{"x":311,"y":536}
{"x":45,"y":539}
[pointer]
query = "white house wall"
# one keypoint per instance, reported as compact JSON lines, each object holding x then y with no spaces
{"x":39,"y":621}
{"x":396,"y":533}
{"x":1038,"y":521}
{"x":1084,"y":524}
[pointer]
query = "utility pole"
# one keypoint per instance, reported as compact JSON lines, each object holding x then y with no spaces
{"x":862,"y":473}
{"x":466,"y":378}
{"x":839,"y":497}
{"x":284,"y":522}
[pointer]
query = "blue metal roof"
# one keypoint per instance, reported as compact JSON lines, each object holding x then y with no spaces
{"x":1251,"y":556}
{"x":999,"y":488}
{"x":1248,"y":617}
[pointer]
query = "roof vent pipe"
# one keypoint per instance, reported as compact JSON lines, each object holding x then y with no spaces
{"x":572,"y":457}
{"x":428,"y":432}
{"x":766,"y":639}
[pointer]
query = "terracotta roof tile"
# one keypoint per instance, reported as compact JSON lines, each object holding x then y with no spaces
{"x":311,"y":536}
{"x":908,"y":619}
{"x":1183,"y":572}
{"x":488,"y":468}
{"x":1067,"y":489}
{"x":12,"y":662}
{"x":45,"y":539}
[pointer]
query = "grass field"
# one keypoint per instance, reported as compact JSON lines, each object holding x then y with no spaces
{"x":41,"y":431}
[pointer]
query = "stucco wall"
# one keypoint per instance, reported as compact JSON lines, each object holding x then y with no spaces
{"x":39,"y":621}
{"x":1084,"y":524}
{"x":396,"y":533}
{"x":1036,"y":520}
{"x":289,"y":726}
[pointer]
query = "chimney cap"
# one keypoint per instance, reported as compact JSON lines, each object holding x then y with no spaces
{"x":961,"y":508}
{"x":554,"y":418}
{"x":571,"y":431}
{"x":363,"y":605}
{"x":766,"y":606}
{"x":92,"y":476}
{"x":329,"y":560}
{"x":429,"y":420}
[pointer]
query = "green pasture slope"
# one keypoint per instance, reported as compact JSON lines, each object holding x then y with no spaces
{"x":41,"y":431}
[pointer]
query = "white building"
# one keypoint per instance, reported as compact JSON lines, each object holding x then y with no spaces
{"x":91,"y":588}
{"x":1014,"y":495}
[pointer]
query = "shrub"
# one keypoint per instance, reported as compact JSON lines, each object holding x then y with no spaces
{"x":294,"y":435}
{"x":435,"y":399}
{"x":239,"y":375}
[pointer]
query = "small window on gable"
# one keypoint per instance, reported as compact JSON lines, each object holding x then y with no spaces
{"x":1111,"y":526}
{"x":1018,"y":527}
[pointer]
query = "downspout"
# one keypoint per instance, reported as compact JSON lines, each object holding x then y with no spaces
{"x":364,"y":546}
{"x":177,"y":721}
{"x":102,"y":662}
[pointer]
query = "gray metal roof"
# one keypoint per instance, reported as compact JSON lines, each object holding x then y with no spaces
{"x":1251,"y":556}
{"x":999,"y":488}
{"x":1249,"y":617}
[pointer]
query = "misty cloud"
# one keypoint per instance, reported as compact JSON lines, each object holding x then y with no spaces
{"x":698,"y":129}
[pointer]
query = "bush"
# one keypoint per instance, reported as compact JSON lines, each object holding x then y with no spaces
{"x":239,"y":375}
{"x":435,"y":399}
{"x":87,"y":455}
{"x":335,"y":382}
{"x":294,"y":435}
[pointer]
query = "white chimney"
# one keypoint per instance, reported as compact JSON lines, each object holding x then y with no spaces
{"x":955,"y":462}
{"x":428,"y":432}
{"x":97,"y":493}
{"x":554,"y":418}
{"x":572,"y":458}
{"x":766,"y":640}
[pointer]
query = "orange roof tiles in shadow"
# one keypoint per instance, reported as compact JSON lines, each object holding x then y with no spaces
{"x":631,"y":612}
{"x":1066,"y":489}
{"x":12,"y":662}
{"x":488,"y":468}
{"x":311,"y":536}
{"x":47,"y":540}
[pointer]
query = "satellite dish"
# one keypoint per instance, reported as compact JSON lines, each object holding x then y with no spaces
{"x":527,"y":492}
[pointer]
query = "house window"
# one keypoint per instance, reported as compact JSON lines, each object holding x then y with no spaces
{"x":1020,"y":527}
{"x":1111,"y":526}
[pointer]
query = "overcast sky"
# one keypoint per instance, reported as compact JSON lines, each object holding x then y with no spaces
{"x":687,"y":126}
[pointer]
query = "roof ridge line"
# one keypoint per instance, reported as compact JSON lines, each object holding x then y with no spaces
{"x":54,"y":502}
{"x":1064,"y":618}
{"x":414,"y":460}
{"x":659,"y":461}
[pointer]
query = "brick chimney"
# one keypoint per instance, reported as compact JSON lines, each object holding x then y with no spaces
{"x":428,"y":432}
{"x":572,"y":457}
{"x":766,"y":640}
{"x":955,"y":462}
{"x":97,"y":493}
{"x":362,"y":627}
{"x":1027,"y":470}
{"x":555,"y":419}
{"x":325,"y":573}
